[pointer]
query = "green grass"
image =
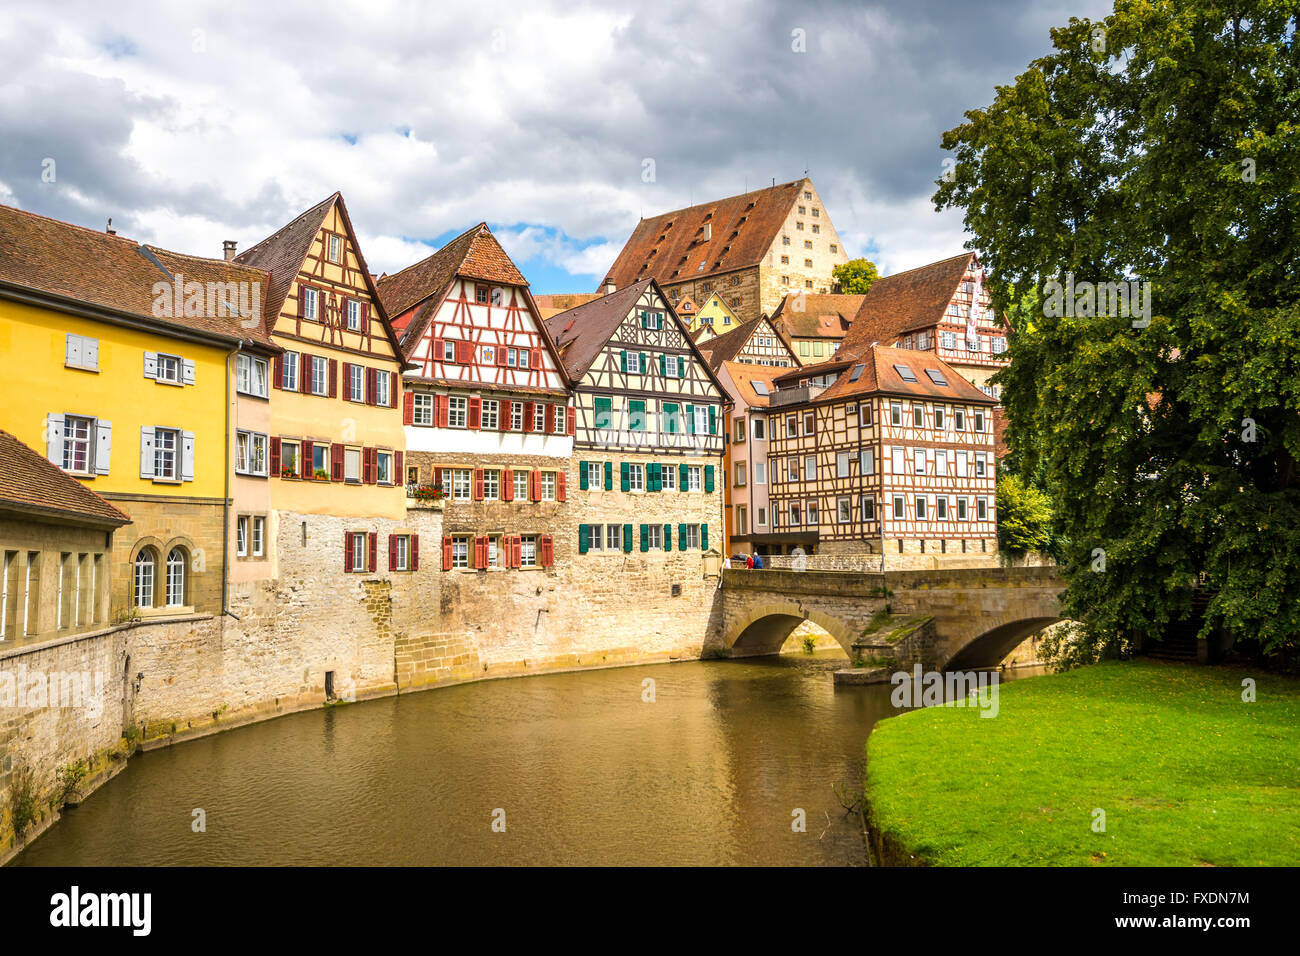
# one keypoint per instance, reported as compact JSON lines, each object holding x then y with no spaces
{"x":1187,"y":773}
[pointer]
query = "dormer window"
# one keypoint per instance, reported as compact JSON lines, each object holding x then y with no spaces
{"x":481,"y":294}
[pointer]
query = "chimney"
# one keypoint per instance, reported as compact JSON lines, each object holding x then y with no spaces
{"x":109,"y":228}
{"x":228,"y":247}
{"x":609,"y":287}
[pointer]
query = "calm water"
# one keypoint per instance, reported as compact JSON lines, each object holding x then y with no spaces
{"x":586,"y":772}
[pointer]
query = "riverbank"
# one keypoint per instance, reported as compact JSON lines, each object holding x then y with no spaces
{"x":1133,"y":763}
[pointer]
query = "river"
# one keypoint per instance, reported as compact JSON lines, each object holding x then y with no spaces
{"x":580,"y":768}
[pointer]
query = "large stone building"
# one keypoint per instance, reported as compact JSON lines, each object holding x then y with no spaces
{"x":888,"y":452}
{"x":751,"y":249}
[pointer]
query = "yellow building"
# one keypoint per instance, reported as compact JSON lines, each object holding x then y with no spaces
{"x":715,"y":315}
{"x":116,"y":357}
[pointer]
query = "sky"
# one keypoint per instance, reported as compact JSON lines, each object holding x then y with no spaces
{"x":559,"y":124}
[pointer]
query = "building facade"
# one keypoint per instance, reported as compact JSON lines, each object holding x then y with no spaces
{"x":814,"y":325}
{"x":889,"y":453}
{"x":748,"y":518}
{"x":754,"y":343}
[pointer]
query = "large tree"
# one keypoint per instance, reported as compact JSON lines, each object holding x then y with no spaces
{"x":855,"y":277}
{"x":1160,"y":145}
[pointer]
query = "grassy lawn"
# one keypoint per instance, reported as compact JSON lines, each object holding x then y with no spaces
{"x":1187,"y":773}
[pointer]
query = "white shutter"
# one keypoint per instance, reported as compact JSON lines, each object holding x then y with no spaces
{"x":103,"y":446}
{"x":151,"y":365}
{"x":54,"y":439}
{"x":146,"y":451}
{"x":187,"y":372}
{"x":72,"y":350}
{"x":90,"y":352}
{"x":187,"y":459}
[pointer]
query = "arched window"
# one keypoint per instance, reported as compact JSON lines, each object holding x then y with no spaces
{"x":176,"y":577}
{"x":144,"y":578}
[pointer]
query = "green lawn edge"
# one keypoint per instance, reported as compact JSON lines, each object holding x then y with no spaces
{"x":1186,"y":772}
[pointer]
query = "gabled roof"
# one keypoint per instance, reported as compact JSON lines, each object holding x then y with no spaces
{"x":32,"y":484}
{"x":671,"y":247}
{"x":906,"y":301}
{"x":822,"y":316}
{"x":581,"y":333}
{"x":281,"y":254}
{"x":70,"y":266}
{"x":880,"y":375}
{"x":474,"y":254}
{"x":728,"y":345}
{"x":744,"y":375}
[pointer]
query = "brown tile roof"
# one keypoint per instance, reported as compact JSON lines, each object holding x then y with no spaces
{"x":745,"y":375}
{"x":905,"y":301}
{"x":52,"y":258}
{"x":728,"y":345}
{"x":474,"y":254}
{"x":879,"y":375}
{"x":555,"y":303}
{"x":582,"y":332}
{"x":30,"y":483}
{"x":671,"y":248}
{"x":281,"y":254}
{"x":824,"y":316}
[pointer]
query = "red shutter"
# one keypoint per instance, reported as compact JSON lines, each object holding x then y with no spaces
{"x":372,"y":386}
{"x":365,"y":319}
{"x":304,"y":373}
{"x":478,"y":484}
{"x":334,"y":378}
{"x":336,"y":462}
{"x":415,"y":552}
{"x":571,"y":420}
{"x":548,"y":551}
{"x":517,"y":552}
{"x":505,"y":415}
{"x":347,"y":381}
{"x":277,"y":371}
{"x":302,"y":300}
{"x":550,"y":418}
{"x":399,"y":478}
{"x":501,"y":355}
{"x":437,"y":478}
{"x":369,"y":465}
{"x":481,"y":552}
{"x":392,"y":551}
{"x":536,"y":360}
{"x":393,"y":386}
{"x":435,"y":349}
{"x":446,"y":552}
{"x":535,"y":485}
{"x":374,"y":541}
{"x":347,"y":552}
{"x":305,"y":467}
{"x":559,"y":486}
{"x":408,"y":408}
{"x":507,"y":485}
{"x":442,"y":404}
{"x":464,"y":352}
{"x":475,"y":416}
{"x":528,"y":416}
{"x":275,"y":457}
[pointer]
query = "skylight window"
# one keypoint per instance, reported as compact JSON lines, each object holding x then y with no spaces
{"x":905,"y":373}
{"x":760,"y":387}
{"x":856,"y":373}
{"x":937,"y":377}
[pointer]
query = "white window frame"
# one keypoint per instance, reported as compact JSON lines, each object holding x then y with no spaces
{"x":422,"y":409}
{"x":457,"y":411}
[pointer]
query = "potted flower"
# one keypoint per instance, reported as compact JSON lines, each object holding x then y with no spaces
{"x":320,"y":473}
{"x":288,"y":473}
{"x":429,"y":494}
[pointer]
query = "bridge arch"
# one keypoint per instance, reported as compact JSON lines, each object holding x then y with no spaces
{"x":763,"y":629}
{"x":987,"y":648}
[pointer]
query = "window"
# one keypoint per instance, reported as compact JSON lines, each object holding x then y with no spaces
{"x":816,"y":228}
{"x":320,"y":368}
{"x":895,"y":413}
{"x":807,"y":263}
{"x":809,"y":422}
{"x":520,"y":479}
{"x":742,"y":520}
{"x":241,"y":536}
{"x":358,"y":558}
{"x":604,"y":414}
{"x":383,"y":466}
{"x":517,"y":415}
{"x":785,"y":260}
{"x":480,"y":294}
{"x":176,"y":578}
{"x":462,"y":483}
{"x":702,"y":417}
{"x":497,"y":296}
{"x":940,"y":462}
{"x":896,"y":459}
{"x":539,"y":416}
{"x":693,"y":537}
{"x":457,"y":411}
{"x":668,"y":478}
{"x":351,"y":464}
{"x":791,"y":426}
{"x":595,"y":476}
{"x":354,"y":315}
{"x":979,"y":421}
{"x":998,"y":344}
{"x":864,"y":414}
{"x":259,"y":535}
{"x":382,"y":384}
{"x":613,"y":537}
{"x":633,"y":362}
{"x":528,"y":551}
{"x":77,"y":453}
{"x":250,"y":453}
{"x":740,"y":474}
{"x":842,"y":464}
{"x":866,"y":462}
{"x":422,"y":409}
{"x":760,"y":428}
{"x":548,"y":486}
{"x":636,"y":477}
{"x":760,"y":473}
{"x":938,"y":417}
{"x":868,"y":508}
{"x":336,"y":249}
{"x":810,"y":513}
{"x":959,"y":420}
{"x":694,"y":478}
{"x":81,"y":351}
{"x":785,"y":240}
{"x":460,"y":551}
{"x":448,"y":350}
{"x":792,"y":471}
{"x":981,"y":508}
{"x":491,"y":484}
{"x":905,"y":373}
{"x":400,"y":550}
{"x":809,"y":467}
{"x":762,"y":517}
{"x":799,"y":226}
{"x":980,"y":463}
{"x":941,"y":508}
{"x":918,"y":460}
{"x":937,"y":377}
{"x":596,"y":538}
{"x":561,"y":419}
{"x":920,"y":507}
{"x":740,"y":428}
{"x":167,"y":454}
{"x":918,"y":416}
{"x":898,"y":506}
{"x":948,"y":339}
{"x":356,"y":383}
{"x":144,"y":578}
{"x":961,"y":509}
{"x":251,"y":375}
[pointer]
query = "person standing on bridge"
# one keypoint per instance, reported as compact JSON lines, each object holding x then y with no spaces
{"x":758,"y":561}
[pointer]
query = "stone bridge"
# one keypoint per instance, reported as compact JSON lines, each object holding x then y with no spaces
{"x":955,"y":619}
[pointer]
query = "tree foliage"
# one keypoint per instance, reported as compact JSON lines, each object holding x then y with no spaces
{"x":1024,"y":516}
{"x":1163,"y":145}
{"x":855,"y":277}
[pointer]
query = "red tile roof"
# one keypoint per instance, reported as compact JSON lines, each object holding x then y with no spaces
{"x":31,"y":484}
{"x":904,"y":302}
{"x":880,"y":375}
{"x":745,"y":375}
{"x":86,"y":267}
{"x":671,"y":247}
{"x":281,"y":254}
{"x":822,"y":316}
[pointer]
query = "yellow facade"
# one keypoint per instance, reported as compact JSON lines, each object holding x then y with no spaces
{"x":715,"y":314}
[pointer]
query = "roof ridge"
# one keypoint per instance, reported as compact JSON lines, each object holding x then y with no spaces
{"x":71,"y":225}
{"x":288,"y":225}
{"x":722,"y":199}
{"x":445,"y":245}
{"x":928,"y":265}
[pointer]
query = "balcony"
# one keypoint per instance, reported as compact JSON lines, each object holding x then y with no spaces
{"x":794,"y":396}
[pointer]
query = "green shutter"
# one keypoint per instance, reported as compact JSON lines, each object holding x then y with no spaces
{"x":604,"y":412}
{"x":668,"y":537}
{"x":584,"y":538}
{"x":644,"y":324}
{"x":635,"y":414}
{"x":681,"y":366}
{"x":708,"y":478}
{"x":627,"y":537}
{"x":645,"y":537}
{"x":609,"y":476}
{"x":582,"y":476}
{"x":704,"y":537}
{"x":681,"y":537}
{"x":652,"y":477}
{"x":713,"y":419}
{"x":690,"y":419}
{"x":683,"y":477}
{"x":625,"y":475}
{"x":663,"y":365}
{"x":645,"y":364}
{"x":670,"y":418}
{"x":622,"y":358}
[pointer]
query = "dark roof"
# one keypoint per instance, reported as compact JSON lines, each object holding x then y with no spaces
{"x":474,"y":254}
{"x":728,"y":345}
{"x":109,"y":272}
{"x":822,"y":315}
{"x":583,"y":331}
{"x":31,"y":483}
{"x":915,"y":299}
{"x":281,"y":254}
{"x":670,"y":247}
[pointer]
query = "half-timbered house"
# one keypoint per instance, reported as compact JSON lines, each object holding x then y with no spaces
{"x":890,"y":452}
{"x":487,"y":414}
{"x":649,"y":431}
{"x":754,"y":343}
{"x":748,"y":510}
